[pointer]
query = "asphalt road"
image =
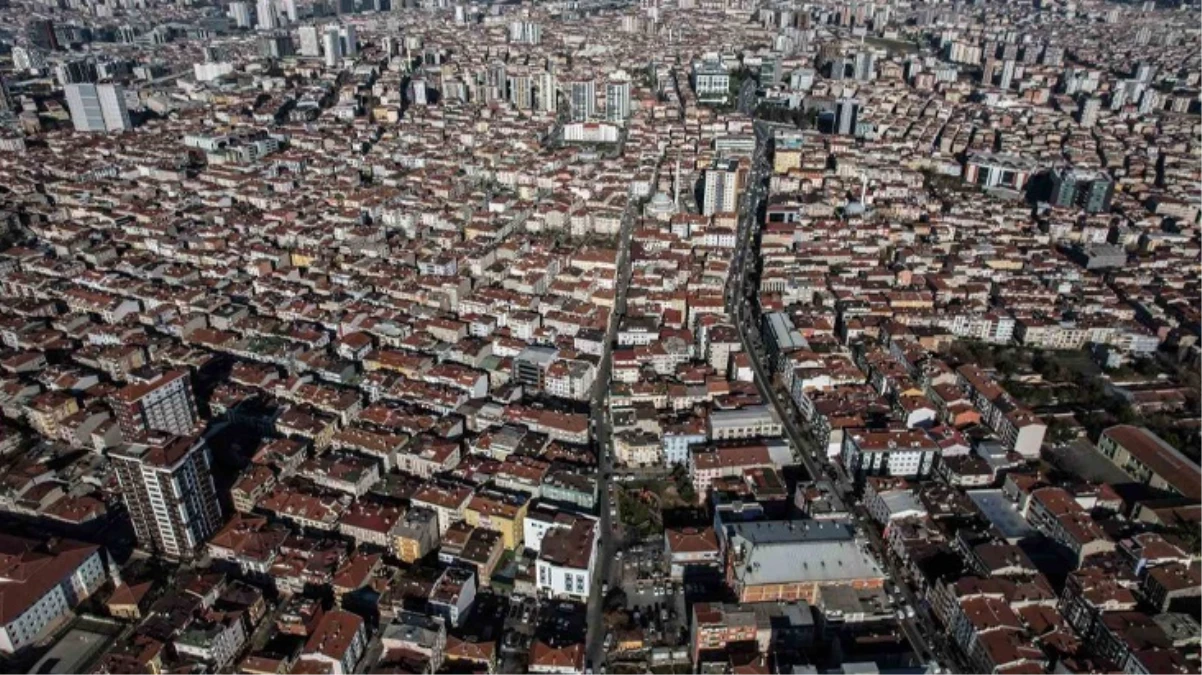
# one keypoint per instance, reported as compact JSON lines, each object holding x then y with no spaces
{"x":739,"y":298}
{"x":601,"y":430}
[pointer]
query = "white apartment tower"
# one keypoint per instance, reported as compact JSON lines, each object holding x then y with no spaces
{"x":310,"y":42}
{"x":332,"y":46}
{"x":1090,"y":108}
{"x":240,"y":12}
{"x":544,"y":84}
{"x":584,"y":100}
{"x":350,"y":41}
{"x":721,"y":191}
{"x":617,"y":97}
{"x":265,"y":14}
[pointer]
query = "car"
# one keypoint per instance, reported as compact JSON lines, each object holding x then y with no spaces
{"x":605,"y":587}
{"x":909,"y":612}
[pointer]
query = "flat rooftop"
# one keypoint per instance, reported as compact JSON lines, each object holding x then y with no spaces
{"x":1000,"y":512}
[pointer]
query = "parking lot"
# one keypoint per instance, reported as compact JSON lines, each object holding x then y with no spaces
{"x":656,"y":603}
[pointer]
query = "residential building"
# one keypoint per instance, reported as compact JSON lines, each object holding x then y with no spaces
{"x":167,"y":485}
{"x":41,"y":583}
{"x":98,"y":107}
{"x":155,"y":400}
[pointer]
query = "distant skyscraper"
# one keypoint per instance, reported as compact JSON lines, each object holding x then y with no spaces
{"x":1118,"y":96}
{"x":520,"y":93}
{"x":266,"y":15}
{"x":41,"y":34}
{"x":1088,"y":114}
{"x":1095,"y":198}
{"x":526,"y":32}
{"x":847,"y":112}
{"x":97,"y":107}
{"x":1144,"y":72}
{"x":1008,"y":67}
{"x":310,"y":42}
{"x":350,"y":41}
{"x":1053,"y":56}
{"x":240,"y":12}
{"x":417,"y":91}
{"x":167,"y":486}
{"x":584,"y":100}
{"x":28,"y":59}
{"x":617,"y":97}
{"x":1064,"y":187}
{"x":275,"y":45}
{"x":1150,"y":102}
{"x":288,"y":8}
{"x":839,"y":68}
{"x":6,"y":100}
{"x":332,"y":46}
{"x":546,"y":94}
{"x":74,"y":72}
{"x":865,"y":66}
{"x":1091,"y":191}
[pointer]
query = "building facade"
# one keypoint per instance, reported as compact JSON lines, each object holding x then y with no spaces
{"x":167,"y":484}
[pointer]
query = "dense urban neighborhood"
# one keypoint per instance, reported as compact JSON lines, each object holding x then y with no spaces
{"x":588,"y":336}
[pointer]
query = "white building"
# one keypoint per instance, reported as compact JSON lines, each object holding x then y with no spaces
{"x":97,"y":107}
{"x":338,"y":642}
{"x":350,"y":40}
{"x":584,"y":100}
{"x":750,"y":422}
{"x":566,"y":559}
{"x":41,"y":583}
{"x":722,"y":188}
{"x":240,"y":13}
{"x":215,"y":642}
{"x":332,"y":46}
{"x":889,"y":453}
{"x":617,"y":97}
{"x":590,"y":132}
{"x":711,"y":80}
{"x":310,"y":41}
{"x":28,"y":58}
{"x":267,"y":16}
{"x":207,"y":72}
